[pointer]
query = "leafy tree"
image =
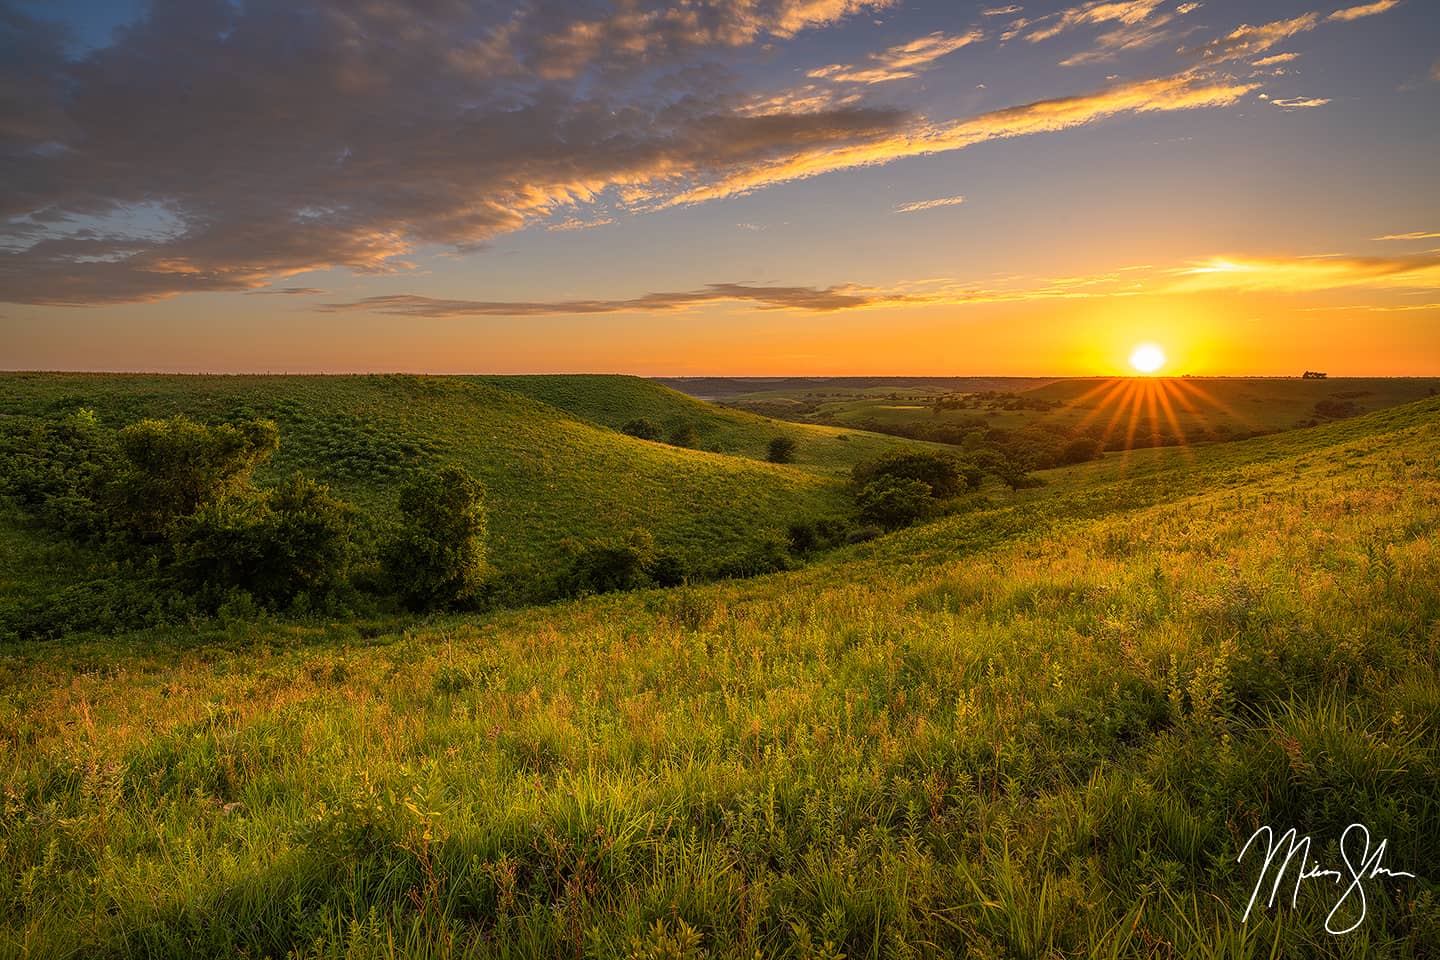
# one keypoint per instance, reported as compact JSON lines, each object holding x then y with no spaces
{"x":782,"y":450}
{"x":172,"y":468}
{"x":438,"y":557}
{"x":643,"y":428}
{"x":893,"y":502}
{"x":944,"y":474}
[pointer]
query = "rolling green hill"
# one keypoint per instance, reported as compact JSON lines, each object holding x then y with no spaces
{"x":554,"y":470}
{"x":612,"y":401}
{"x":1043,"y":728}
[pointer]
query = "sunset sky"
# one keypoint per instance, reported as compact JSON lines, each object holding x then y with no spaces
{"x":741,"y":187}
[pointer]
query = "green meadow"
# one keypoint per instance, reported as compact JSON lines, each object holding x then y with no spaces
{"x":1040,"y":725}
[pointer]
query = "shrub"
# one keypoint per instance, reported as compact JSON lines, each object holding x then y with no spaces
{"x":607,"y":565}
{"x":808,"y":536}
{"x":782,"y":450}
{"x":894,"y":502}
{"x":684,"y":435}
{"x":643,"y":428}
{"x":292,"y":540}
{"x":172,"y":468}
{"x":438,"y":557}
{"x":943,"y":474}
{"x":1080,"y":450}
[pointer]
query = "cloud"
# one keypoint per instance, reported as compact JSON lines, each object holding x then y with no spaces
{"x":900,"y":61}
{"x":1247,"y":41}
{"x":1365,"y":10}
{"x":271,"y":139}
{"x":919,"y":205}
{"x":1002,"y":11}
{"x":809,"y":299}
{"x":286,"y":137}
{"x":1306,"y":274}
{"x":1181,"y":92}
{"x":1276,"y":60}
{"x":1293,"y":103}
{"x":1127,"y":12}
{"x":288,"y":292}
{"x":1294,"y":274}
{"x":1417,"y":235}
{"x":571,"y":224}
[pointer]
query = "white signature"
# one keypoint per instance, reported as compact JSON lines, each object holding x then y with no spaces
{"x":1366,"y":866}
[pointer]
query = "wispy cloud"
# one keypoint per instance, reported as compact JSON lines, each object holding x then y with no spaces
{"x":288,"y":292}
{"x":1364,"y":10}
{"x":1185,"y":91}
{"x":1006,"y":11}
{"x":918,"y":205}
{"x":1296,"y":103}
{"x":1276,"y":60}
{"x":1247,"y":41}
{"x":900,"y":61}
{"x":571,"y":224}
{"x":810,"y":299}
{"x":1304,"y":274}
{"x":1417,"y":235}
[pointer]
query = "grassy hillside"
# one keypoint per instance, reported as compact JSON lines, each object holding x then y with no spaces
{"x":550,"y":474}
{"x":1041,"y":729}
{"x":613,"y":401}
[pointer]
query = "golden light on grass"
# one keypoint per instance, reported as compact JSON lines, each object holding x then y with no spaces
{"x":1147,"y":358}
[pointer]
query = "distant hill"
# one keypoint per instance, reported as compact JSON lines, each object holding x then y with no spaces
{"x":544,"y":447}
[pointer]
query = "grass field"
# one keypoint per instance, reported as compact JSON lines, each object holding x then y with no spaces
{"x":1130,"y":410}
{"x":547,"y":449}
{"x":1040,"y":728}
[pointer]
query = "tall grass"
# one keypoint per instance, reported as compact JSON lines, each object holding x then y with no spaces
{"x":1043,"y":729}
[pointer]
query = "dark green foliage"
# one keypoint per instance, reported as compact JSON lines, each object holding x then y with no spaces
{"x":606,"y":565}
{"x":275,"y":545}
{"x":782,"y":450}
{"x":171,"y":468}
{"x":631,"y":562}
{"x":1080,"y":450}
{"x":438,"y":556}
{"x":809,"y":536}
{"x":684,"y":435}
{"x":894,"y":502}
{"x":58,"y":470}
{"x":770,"y":555}
{"x":944,"y":475}
{"x":642,"y":428}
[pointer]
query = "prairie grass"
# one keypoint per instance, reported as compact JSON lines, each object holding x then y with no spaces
{"x":1039,"y":728}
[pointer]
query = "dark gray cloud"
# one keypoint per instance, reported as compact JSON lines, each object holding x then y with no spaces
{"x":288,"y":135}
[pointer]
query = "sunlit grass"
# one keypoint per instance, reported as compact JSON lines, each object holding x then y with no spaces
{"x":1041,"y":730}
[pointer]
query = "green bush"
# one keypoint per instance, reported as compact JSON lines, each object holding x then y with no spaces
{"x":642,"y":428}
{"x":684,"y":435}
{"x":782,"y":450}
{"x":292,"y":540}
{"x":945,"y":475}
{"x":171,"y":468}
{"x":438,"y":557}
{"x":894,"y":502}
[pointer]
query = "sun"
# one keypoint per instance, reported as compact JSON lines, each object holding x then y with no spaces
{"x":1147,"y":358}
